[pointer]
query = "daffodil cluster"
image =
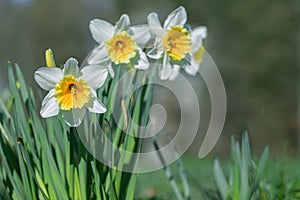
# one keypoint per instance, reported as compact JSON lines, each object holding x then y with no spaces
{"x":172,"y":46}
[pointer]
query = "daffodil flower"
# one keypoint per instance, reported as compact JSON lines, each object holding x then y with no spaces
{"x":119,"y":44}
{"x":175,"y":45}
{"x":71,"y":91}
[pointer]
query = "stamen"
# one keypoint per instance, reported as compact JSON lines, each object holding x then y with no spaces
{"x":120,"y":44}
{"x":72,"y":87}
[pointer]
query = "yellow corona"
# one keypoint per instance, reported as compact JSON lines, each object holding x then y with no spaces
{"x":177,"y":42}
{"x":72,"y":93}
{"x":121,"y":48}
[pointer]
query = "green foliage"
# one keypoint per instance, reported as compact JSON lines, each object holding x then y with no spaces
{"x":245,"y":174}
{"x":249,"y":179}
{"x":283,"y":181}
{"x":45,"y":159}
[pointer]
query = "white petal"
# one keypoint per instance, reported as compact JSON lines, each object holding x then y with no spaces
{"x":96,"y":106}
{"x":193,"y":68}
{"x":153,"y":20}
{"x":71,"y":67}
{"x":157,"y":51}
{"x":166,"y":69}
{"x":200,"y":31}
{"x":141,"y":34}
{"x":49,"y":105}
{"x":155,"y":26}
{"x":94,"y":75}
{"x":47,"y":77}
{"x":143,"y":62}
{"x":101,"y":30}
{"x":123,"y":24}
{"x":175,"y":72}
{"x":198,"y":34}
{"x":73,"y":117}
{"x":97,"y":55}
{"x":177,"y":17}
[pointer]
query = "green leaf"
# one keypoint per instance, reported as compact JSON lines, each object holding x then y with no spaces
{"x":131,"y":188}
{"x":82,"y":179}
{"x":13,"y":177}
{"x":220,"y":179}
{"x":77,"y":190}
{"x":236,"y":171}
{"x":261,"y":166}
{"x":22,"y":84}
{"x":25,"y":181}
{"x":41,"y":183}
{"x":246,"y":160}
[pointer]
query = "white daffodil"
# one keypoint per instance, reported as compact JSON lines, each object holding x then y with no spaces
{"x":71,"y":91}
{"x":119,"y":44}
{"x":174,"y":44}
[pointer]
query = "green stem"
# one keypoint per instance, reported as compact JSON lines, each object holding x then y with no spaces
{"x":76,"y":145}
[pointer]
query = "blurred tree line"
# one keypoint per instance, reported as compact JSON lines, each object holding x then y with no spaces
{"x":254,"y":43}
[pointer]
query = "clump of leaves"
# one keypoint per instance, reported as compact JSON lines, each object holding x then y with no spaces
{"x":284,"y":182}
{"x":245,"y":175}
{"x":251,"y":180}
{"x":45,"y":159}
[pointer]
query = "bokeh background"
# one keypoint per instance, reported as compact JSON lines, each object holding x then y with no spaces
{"x":255,"y":44}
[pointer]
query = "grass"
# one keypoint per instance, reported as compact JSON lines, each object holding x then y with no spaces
{"x":280,"y":179}
{"x":155,"y":184}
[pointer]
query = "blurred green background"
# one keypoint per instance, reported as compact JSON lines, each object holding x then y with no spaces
{"x":254,"y":44}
